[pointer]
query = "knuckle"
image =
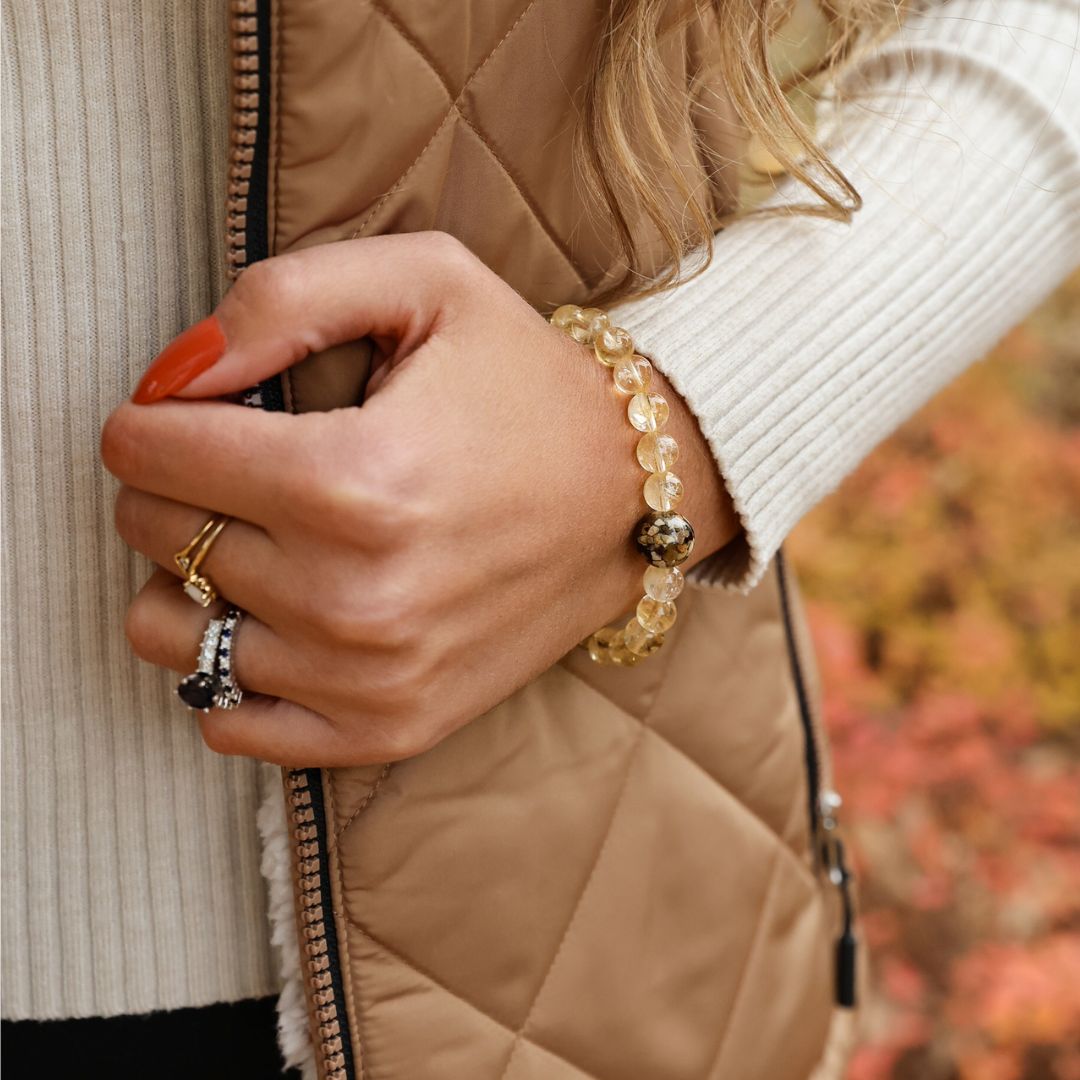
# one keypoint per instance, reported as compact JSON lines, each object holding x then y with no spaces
{"x":265,"y":285}
{"x":393,"y":616}
{"x":371,"y":512}
{"x":456,"y":260}
{"x":445,"y":245}
{"x":341,"y":618}
{"x":406,"y":686}
{"x":366,"y":615}
{"x":405,"y":740}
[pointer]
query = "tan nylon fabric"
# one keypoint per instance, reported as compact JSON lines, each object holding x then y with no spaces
{"x":608,"y":875}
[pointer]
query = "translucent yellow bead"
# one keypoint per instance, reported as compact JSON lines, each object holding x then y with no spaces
{"x":656,"y":615}
{"x":566,"y":316}
{"x":593,"y":323}
{"x":647,"y":412}
{"x":632,"y":374}
{"x":663,"y":583}
{"x":657,"y":453}
{"x":600,"y":644}
{"x":639,"y":640}
{"x":663,"y":491}
{"x":612,"y":344}
{"x":607,"y":647}
{"x":623,"y":657}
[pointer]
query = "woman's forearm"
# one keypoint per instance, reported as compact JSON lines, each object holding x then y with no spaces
{"x":806,"y":342}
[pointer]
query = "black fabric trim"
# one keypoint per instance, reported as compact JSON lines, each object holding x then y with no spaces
{"x":235,"y":1041}
{"x":813,"y":765}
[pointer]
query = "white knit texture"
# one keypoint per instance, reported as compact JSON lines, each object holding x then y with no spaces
{"x":806,"y":342}
{"x":130,"y":851}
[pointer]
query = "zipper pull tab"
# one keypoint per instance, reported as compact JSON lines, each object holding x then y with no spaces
{"x":847,"y":943}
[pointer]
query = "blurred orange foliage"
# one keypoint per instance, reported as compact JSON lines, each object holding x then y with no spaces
{"x":943,"y":586}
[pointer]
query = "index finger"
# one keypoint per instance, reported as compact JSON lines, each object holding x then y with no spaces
{"x":229,"y":458}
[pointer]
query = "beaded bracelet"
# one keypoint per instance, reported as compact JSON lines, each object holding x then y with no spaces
{"x":663,"y":536}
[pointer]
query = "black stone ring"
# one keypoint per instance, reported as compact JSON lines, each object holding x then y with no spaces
{"x":212,"y":683}
{"x":199,"y":689}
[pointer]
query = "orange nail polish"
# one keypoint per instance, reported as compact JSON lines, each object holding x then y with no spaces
{"x":199,"y":347}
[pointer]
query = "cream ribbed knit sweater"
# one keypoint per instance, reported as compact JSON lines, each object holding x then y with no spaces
{"x":130,"y":857}
{"x":130,"y":852}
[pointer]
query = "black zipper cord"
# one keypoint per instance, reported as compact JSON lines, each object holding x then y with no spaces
{"x":813,"y":764}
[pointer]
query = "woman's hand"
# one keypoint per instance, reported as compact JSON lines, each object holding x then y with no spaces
{"x":409,"y":564}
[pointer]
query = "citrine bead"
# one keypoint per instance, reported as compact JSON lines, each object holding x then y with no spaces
{"x":640,"y":641}
{"x":657,"y":453}
{"x":665,"y":539}
{"x":663,"y":491}
{"x":623,"y":657}
{"x":593,"y":323}
{"x":566,"y":316}
{"x":612,"y":344}
{"x":663,"y":583}
{"x":582,"y":324}
{"x":601,"y":643}
{"x":632,"y":374}
{"x":656,"y":616}
{"x":647,"y":412}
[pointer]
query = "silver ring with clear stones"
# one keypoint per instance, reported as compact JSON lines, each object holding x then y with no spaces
{"x":199,"y":689}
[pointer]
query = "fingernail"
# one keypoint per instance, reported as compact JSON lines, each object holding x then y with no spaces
{"x":199,"y":347}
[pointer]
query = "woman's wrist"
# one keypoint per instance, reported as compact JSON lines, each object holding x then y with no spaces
{"x":664,"y":536}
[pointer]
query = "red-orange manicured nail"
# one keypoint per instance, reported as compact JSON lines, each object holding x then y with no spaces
{"x":199,"y":347}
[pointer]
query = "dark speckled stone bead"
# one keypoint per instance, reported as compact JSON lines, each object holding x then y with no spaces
{"x":664,"y":538}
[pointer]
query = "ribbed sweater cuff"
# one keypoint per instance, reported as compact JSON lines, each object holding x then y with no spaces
{"x":806,"y":341}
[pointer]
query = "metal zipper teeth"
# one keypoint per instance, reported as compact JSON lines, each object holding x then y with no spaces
{"x":246,"y":242}
{"x":313,"y":918}
{"x":244,"y":128}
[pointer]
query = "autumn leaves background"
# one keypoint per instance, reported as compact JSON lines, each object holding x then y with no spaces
{"x":943,"y":584}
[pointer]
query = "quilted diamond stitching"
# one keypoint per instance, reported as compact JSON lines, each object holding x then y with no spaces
{"x":520,"y":1035}
{"x":631,"y":757}
{"x":780,"y":849}
{"x":747,"y":960}
{"x":773,"y":834}
{"x":454,"y":112}
{"x":424,"y":973}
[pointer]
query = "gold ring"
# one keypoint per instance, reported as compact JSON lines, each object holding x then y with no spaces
{"x":189,"y":558}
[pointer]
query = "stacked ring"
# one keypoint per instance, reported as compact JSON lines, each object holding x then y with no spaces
{"x":212,"y":682}
{"x":189,"y":558}
{"x":197,"y":690}
{"x":229,"y":695}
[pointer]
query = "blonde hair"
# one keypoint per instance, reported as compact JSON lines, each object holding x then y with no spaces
{"x":634,"y":119}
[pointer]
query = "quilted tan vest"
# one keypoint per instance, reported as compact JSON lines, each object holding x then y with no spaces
{"x":618,"y":874}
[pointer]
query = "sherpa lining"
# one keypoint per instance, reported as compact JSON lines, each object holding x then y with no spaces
{"x":294,"y":1036}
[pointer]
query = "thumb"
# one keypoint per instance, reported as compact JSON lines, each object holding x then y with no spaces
{"x":282,"y":309}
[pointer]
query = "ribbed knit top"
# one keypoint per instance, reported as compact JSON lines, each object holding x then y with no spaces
{"x":807,"y":341}
{"x":130,"y":856}
{"x":130,"y":851}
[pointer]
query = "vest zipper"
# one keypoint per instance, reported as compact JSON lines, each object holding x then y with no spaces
{"x":825,"y":803}
{"x":247,"y":184}
{"x":317,"y":923}
{"x":246,"y":242}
